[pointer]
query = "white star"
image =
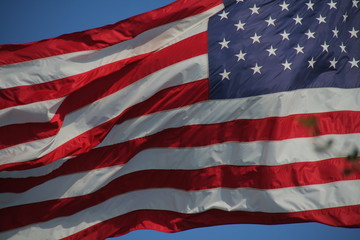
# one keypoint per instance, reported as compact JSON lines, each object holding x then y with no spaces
{"x":224,"y":43}
{"x":223,"y":15}
{"x":254,"y":9}
{"x":353,"y":33}
{"x":342,"y":46}
{"x":321,"y":19}
{"x":325,"y":47}
{"x":298,"y":20}
{"x":237,"y":1}
{"x":256,"y":69}
{"x":240,"y":25}
{"x":286,"y":65}
{"x":310,"y":5}
{"x":310,"y":34}
{"x":241,"y":56}
{"x":285,"y":35}
{"x":311,"y":63}
{"x":355,"y":3}
{"x":333,"y":63}
{"x":345,"y":16}
{"x":335,"y":31}
{"x":270,"y":21}
{"x":354,"y":63}
{"x":271,"y":50}
{"x":284,"y":6}
{"x":224,"y":75}
{"x":332,"y":4}
{"x":256,"y":38}
{"x":299,"y":49}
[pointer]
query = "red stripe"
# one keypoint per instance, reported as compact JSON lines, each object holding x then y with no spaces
{"x":167,"y":221}
{"x":100,"y":88}
{"x":104,"y":36}
{"x":260,"y":177}
{"x":21,"y":133}
{"x":272,"y":128}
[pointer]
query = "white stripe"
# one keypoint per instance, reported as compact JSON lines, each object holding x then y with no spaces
{"x":62,"y":66}
{"x":35,"y":172}
{"x":248,"y":153}
{"x":43,"y":70}
{"x":109,"y":107}
{"x":217,"y":111}
{"x":35,"y":112}
{"x":283,"y":200}
{"x":30,"y":150}
{"x":230,"y":153}
{"x":62,"y":187}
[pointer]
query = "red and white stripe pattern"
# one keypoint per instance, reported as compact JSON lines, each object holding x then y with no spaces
{"x":116,"y":132}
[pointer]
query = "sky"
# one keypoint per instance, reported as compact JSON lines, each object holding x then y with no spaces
{"x":24,"y":21}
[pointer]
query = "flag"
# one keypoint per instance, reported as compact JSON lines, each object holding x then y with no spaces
{"x":196,"y":114}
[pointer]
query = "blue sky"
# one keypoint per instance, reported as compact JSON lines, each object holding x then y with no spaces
{"x":25,"y":21}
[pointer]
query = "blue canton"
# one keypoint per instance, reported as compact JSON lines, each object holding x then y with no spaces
{"x":264,"y":46}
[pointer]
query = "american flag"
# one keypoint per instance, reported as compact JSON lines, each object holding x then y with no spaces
{"x":196,"y":114}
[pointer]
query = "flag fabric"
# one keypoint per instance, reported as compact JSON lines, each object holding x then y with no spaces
{"x":195,"y":114}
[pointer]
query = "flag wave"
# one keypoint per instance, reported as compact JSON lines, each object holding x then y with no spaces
{"x":195,"y":114}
